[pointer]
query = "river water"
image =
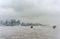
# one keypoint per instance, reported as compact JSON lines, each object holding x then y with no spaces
{"x":22,"y":32}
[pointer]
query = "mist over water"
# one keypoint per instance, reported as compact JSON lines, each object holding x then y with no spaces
{"x":31,"y":11}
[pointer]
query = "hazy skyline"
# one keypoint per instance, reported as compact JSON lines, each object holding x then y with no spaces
{"x":33,"y":10}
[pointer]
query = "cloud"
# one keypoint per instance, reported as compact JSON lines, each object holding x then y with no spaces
{"x":30,"y":8}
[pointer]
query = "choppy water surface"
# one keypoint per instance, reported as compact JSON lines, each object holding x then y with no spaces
{"x":21,"y":32}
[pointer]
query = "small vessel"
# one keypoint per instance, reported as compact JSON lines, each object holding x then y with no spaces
{"x":54,"y":27}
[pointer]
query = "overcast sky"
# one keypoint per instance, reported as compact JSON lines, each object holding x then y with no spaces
{"x":30,"y":9}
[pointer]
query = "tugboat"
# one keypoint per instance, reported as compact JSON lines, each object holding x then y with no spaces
{"x":54,"y":27}
{"x":31,"y":26}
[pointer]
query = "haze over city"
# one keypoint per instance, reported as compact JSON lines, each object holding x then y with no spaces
{"x":44,"y":11}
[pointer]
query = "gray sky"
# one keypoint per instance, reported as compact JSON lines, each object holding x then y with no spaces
{"x":38,"y":10}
